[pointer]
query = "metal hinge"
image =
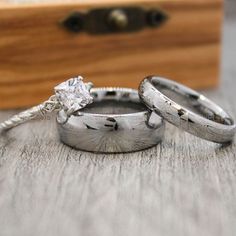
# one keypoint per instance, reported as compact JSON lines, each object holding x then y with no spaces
{"x":114,"y":20}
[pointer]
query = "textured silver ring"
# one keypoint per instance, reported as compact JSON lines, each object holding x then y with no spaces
{"x":115,"y":122}
{"x":187,"y":109}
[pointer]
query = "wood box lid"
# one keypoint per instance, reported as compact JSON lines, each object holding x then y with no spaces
{"x":37,"y":53}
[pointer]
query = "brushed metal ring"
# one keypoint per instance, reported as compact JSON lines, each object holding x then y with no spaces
{"x":187,"y":109}
{"x":108,"y":126}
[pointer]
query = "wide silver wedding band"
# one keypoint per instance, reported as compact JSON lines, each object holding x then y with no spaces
{"x":187,"y":109}
{"x":115,"y":122}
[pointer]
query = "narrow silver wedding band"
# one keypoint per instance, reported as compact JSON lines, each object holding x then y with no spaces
{"x":187,"y":109}
{"x":103,"y":132}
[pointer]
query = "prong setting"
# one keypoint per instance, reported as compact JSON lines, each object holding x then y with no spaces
{"x":73,"y":94}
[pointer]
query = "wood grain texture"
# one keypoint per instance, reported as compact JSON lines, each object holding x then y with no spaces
{"x":37,"y":52}
{"x":183,"y":187}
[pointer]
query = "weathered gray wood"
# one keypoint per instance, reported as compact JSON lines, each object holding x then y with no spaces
{"x":185,"y":186}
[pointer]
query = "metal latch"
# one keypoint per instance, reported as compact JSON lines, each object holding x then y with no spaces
{"x":114,"y":20}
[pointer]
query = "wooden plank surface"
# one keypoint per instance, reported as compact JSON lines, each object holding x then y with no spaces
{"x":37,"y":52}
{"x":185,"y":186}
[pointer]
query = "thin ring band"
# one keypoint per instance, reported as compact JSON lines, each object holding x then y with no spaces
{"x":37,"y":111}
{"x":70,"y":95}
{"x":198,"y":116}
{"x":116,"y":122}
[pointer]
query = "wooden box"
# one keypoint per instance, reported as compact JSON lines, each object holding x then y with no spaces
{"x":37,"y":51}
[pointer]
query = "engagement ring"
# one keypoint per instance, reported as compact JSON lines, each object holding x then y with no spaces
{"x":70,"y":96}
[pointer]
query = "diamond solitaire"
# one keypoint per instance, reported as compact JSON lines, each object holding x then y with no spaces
{"x":70,"y":96}
{"x":73,"y":94}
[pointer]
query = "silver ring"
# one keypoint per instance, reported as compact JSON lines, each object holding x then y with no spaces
{"x":70,"y":96}
{"x":187,"y":109}
{"x":115,"y":122}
